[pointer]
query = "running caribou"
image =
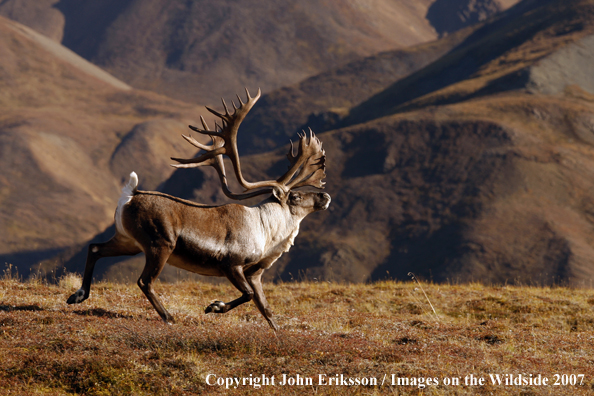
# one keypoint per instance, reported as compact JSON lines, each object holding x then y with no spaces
{"x":235,"y":241}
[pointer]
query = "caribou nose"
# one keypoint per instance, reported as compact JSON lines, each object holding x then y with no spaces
{"x":325,"y":198}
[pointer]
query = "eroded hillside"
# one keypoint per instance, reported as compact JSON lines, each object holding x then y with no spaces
{"x":462,"y":170}
{"x":62,"y":120}
{"x":201,"y":50}
{"x":469,"y":158}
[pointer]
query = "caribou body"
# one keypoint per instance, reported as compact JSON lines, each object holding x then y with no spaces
{"x":234,"y":241}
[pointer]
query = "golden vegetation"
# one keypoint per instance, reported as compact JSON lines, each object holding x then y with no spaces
{"x":114,"y":343}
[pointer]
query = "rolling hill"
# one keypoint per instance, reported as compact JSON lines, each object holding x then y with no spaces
{"x":477,"y":166}
{"x":468,"y":158}
{"x":63,"y":128}
{"x":200,"y":50}
{"x":322,"y":101}
{"x":481,"y":162}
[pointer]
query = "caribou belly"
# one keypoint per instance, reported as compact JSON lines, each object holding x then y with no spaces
{"x":206,"y":256}
{"x":197,"y":266}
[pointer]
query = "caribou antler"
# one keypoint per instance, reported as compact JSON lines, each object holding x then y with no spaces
{"x":309,"y":163}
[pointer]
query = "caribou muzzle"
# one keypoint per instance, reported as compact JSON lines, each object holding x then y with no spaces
{"x":322,"y":201}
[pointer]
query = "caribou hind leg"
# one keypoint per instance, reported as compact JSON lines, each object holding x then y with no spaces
{"x":155,"y":262}
{"x":116,"y":246}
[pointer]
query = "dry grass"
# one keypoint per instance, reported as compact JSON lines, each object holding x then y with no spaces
{"x":114,"y":343}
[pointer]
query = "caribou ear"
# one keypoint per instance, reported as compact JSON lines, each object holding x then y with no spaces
{"x":279,"y":194}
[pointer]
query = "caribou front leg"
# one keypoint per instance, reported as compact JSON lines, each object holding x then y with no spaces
{"x":237,"y":278}
{"x":255,"y":281}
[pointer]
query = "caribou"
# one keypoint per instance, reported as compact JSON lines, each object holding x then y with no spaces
{"x":235,"y":241}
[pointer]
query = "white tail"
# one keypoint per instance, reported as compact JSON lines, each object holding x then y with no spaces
{"x":129,"y":188}
{"x":127,"y":194}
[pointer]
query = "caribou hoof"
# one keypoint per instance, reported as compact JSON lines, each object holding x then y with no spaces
{"x":216,"y":307}
{"x":273,"y":325}
{"x":77,"y":297}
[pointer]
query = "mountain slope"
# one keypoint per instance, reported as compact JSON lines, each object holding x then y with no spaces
{"x":472,"y":180}
{"x":477,"y":166}
{"x":484,"y":170}
{"x":40,"y":15}
{"x":62,"y":120}
{"x":201,"y":50}
{"x":187,"y":49}
{"x":496,"y":57}
{"x":448,"y":16}
{"x":320,"y":102}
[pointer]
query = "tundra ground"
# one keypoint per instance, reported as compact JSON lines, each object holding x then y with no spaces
{"x":115,"y":344}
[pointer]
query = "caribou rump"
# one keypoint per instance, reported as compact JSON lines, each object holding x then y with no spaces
{"x":234,"y":241}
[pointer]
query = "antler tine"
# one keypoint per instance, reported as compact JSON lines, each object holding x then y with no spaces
{"x":196,"y":143}
{"x":215,"y":149}
{"x":308,"y":164}
{"x":204,"y":124}
{"x":201,"y":131}
{"x":215,"y":112}
{"x":225,"y":106}
{"x":200,"y":160}
{"x":225,"y":143}
{"x":307,"y":167}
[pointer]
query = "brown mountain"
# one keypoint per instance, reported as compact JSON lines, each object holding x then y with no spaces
{"x":201,"y":50}
{"x":504,"y":55}
{"x":471,"y":163}
{"x":67,"y":132}
{"x":322,"y":101}
{"x":40,"y":15}
{"x":478,"y":166}
{"x":448,"y":16}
